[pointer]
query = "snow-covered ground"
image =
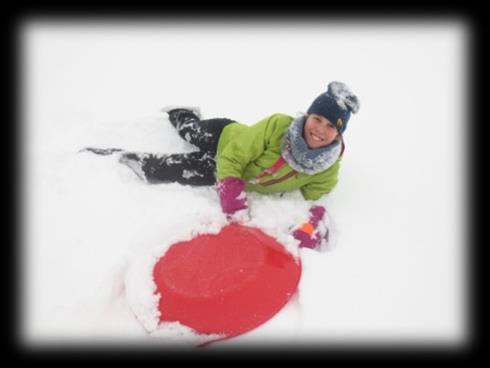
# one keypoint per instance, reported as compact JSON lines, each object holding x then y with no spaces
{"x":396,"y":273}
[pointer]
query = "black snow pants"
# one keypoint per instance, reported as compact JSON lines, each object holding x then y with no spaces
{"x":195,"y":168}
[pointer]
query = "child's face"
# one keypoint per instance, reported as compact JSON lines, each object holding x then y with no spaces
{"x":319,"y":131}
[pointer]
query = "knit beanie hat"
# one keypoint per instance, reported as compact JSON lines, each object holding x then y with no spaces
{"x":336,"y":105}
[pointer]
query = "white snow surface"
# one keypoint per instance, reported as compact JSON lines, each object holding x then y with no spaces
{"x":395,"y":271}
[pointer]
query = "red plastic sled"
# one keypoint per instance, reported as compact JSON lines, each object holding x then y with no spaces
{"x":226,"y":283}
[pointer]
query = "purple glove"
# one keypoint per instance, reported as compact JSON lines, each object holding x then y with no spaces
{"x":316,"y":215}
{"x":232,"y":196}
{"x":307,"y":240}
{"x":307,"y":233}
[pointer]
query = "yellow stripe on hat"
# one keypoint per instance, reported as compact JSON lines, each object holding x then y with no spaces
{"x":339,"y":123}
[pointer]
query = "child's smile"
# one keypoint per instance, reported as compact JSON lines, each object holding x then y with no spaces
{"x":316,"y":137}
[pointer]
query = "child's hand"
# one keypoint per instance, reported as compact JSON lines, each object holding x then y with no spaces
{"x":316,"y":215}
{"x":308,"y":233}
{"x":306,"y":239}
{"x":232,"y":195}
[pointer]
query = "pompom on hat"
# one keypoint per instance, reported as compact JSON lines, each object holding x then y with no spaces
{"x":336,"y":105}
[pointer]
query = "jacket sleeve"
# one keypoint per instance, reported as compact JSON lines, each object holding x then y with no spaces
{"x":246,"y":147}
{"x":321,"y":183}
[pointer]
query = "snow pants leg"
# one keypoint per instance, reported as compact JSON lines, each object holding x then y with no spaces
{"x":194,"y":168}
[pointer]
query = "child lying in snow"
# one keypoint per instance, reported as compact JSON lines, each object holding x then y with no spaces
{"x":278,"y":154}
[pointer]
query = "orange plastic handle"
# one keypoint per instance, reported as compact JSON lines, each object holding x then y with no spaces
{"x":307,"y":228}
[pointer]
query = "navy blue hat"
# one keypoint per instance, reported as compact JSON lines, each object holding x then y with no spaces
{"x":336,"y":105}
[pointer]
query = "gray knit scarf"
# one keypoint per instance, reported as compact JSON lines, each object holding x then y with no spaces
{"x":302,"y":158}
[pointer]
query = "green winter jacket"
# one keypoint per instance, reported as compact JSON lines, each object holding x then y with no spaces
{"x":246,"y":151}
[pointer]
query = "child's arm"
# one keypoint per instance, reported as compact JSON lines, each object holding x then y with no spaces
{"x":311,"y":233}
{"x":322,"y":184}
{"x":237,"y":154}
